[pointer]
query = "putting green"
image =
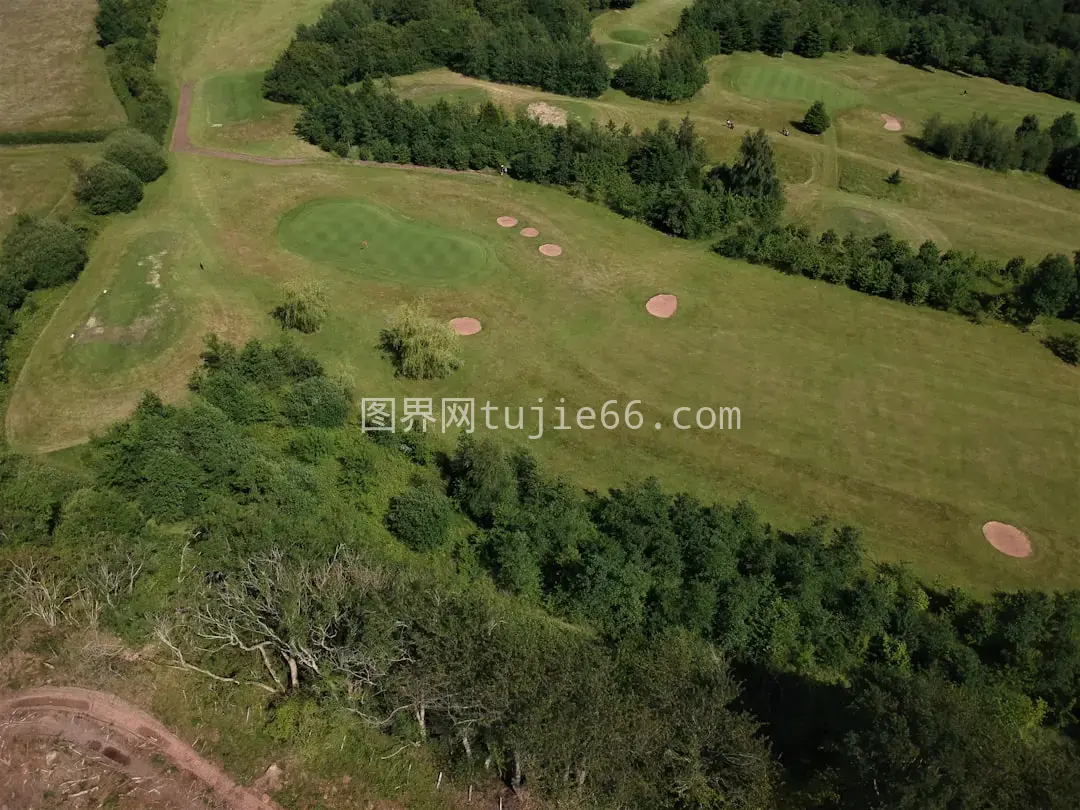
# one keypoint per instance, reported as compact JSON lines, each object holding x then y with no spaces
{"x":790,"y":83}
{"x":356,"y":235}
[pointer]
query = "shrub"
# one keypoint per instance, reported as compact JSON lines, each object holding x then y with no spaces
{"x":421,"y":347}
{"x":107,"y":188}
{"x":317,"y":402}
{"x":42,"y":253}
{"x":136,"y":151}
{"x":304,"y":308}
{"x":420,"y":518}
{"x":1065,"y":347}
{"x":816,"y":120}
{"x":895,"y":178}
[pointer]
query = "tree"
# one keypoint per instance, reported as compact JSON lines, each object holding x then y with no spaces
{"x":1065,"y":167}
{"x":1051,"y":287}
{"x":305,"y":306}
{"x":895,"y":178}
{"x":775,"y":35}
{"x":482,"y":479}
{"x":816,"y":120}
{"x":754,"y":175}
{"x":810,"y":43}
{"x":1063,"y":132}
{"x":136,"y":151}
{"x":421,"y":347}
{"x":420,"y":517}
{"x":106,"y":188}
{"x":41,"y":253}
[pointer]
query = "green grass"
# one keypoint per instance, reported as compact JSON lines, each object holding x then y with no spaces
{"x":380,"y":243}
{"x":621,"y":33}
{"x":632,"y":36}
{"x":784,"y":82}
{"x":470,"y":95}
{"x":235,"y":98}
{"x":37,"y":180}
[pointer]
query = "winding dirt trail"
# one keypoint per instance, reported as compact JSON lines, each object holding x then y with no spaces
{"x":34,"y":708}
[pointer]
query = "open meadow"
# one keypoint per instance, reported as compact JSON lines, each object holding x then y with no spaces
{"x":53,"y":72}
{"x":912,"y":424}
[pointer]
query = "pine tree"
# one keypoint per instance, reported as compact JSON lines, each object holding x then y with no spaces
{"x":816,"y":119}
{"x":810,"y":43}
{"x":754,"y":175}
{"x":894,"y":179}
{"x":775,"y":38}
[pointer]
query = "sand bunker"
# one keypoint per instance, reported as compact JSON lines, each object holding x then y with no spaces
{"x":465,"y":326}
{"x":551,"y":250}
{"x":547,"y":114}
{"x":507,"y":222}
{"x":1007,"y":539}
{"x":662,"y":306}
{"x":530,"y":232}
{"x":892,"y":123}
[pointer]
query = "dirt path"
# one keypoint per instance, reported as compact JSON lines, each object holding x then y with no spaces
{"x":34,"y":706}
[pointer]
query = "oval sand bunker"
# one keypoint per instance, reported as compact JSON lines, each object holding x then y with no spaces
{"x":465,"y":326}
{"x":892,"y":123}
{"x":662,"y":306}
{"x":507,"y":222}
{"x":1007,"y":539}
{"x":551,"y":250}
{"x":530,"y":232}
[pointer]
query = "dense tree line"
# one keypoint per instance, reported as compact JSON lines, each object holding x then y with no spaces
{"x":128,"y":30}
{"x":544,"y":43}
{"x":988,"y":143}
{"x":658,"y":176}
{"x":1032,"y":44}
{"x":923,"y":276}
{"x":607,"y":671}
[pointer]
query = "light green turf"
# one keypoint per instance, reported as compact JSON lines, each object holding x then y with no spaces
{"x":380,"y":243}
{"x":791,"y":83}
{"x":233,"y":98}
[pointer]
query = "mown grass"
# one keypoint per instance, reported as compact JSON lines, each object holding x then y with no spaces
{"x":777,"y":81}
{"x":53,"y":72}
{"x":383,"y":244}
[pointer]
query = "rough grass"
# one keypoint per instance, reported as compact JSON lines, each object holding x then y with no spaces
{"x":914,"y":424}
{"x":37,"y":180}
{"x":53,"y":73}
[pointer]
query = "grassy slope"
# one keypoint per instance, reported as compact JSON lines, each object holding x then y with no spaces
{"x":623,"y":33}
{"x":53,"y":72}
{"x":912,"y":423}
{"x":37,"y":179}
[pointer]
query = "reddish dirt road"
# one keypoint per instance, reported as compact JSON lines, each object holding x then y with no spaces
{"x":84,"y":717}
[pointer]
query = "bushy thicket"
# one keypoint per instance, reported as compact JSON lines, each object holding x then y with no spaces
{"x":674,"y":73}
{"x":1030,"y":44}
{"x":658,"y":176}
{"x":892,"y":268}
{"x":128,"y":30}
{"x":108,"y":188}
{"x":641,"y":640}
{"x":544,"y":43}
{"x":36,"y":254}
{"x":137,"y":152}
{"x":988,"y":143}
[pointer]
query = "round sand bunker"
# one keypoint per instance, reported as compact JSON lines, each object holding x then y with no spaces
{"x":662,"y":306}
{"x":530,"y":232}
{"x":465,"y":326}
{"x":892,"y":123}
{"x":507,"y":222}
{"x":1007,"y":539}
{"x":551,"y":250}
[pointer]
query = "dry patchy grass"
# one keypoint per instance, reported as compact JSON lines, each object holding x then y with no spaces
{"x":53,"y":72}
